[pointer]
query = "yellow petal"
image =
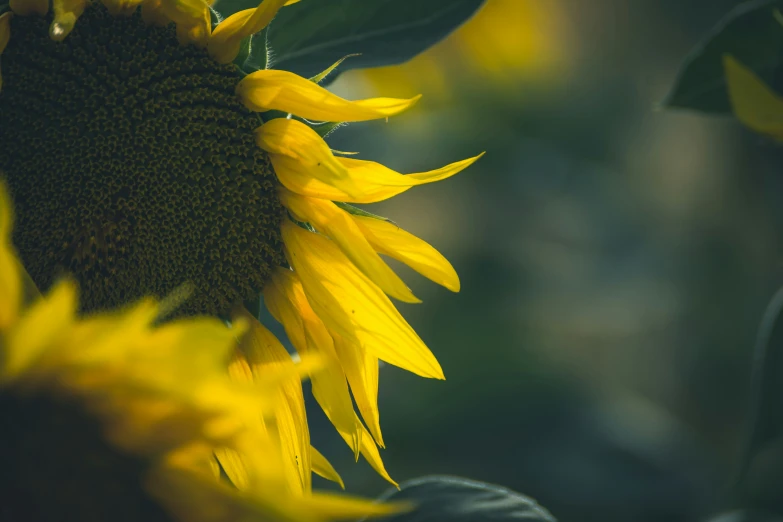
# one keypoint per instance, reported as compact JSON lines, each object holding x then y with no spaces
{"x":39,"y":329}
{"x":29,"y":7}
{"x":755,"y":104}
{"x":264,"y":352}
{"x":66,"y":12}
{"x":389,"y":239}
{"x":337,"y":224}
{"x":372,"y":455}
{"x":197,"y":35}
{"x":224,"y":44}
{"x":270,"y":89}
{"x":292,"y":144}
{"x":233,"y":466}
{"x":184,"y":12}
{"x":318,"y":78}
{"x":286,"y":301}
{"x":323,"y":468}
{"x":366,"y":181}
{"x":289,"y":2}
{"x":10,"y":282}
{"x":351,"y":305}
{"x":361,"y":369}
{"x":324,"y":506}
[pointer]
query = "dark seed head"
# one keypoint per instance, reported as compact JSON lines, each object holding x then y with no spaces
{"x":132,"y":165}
{"x":57,"y":466}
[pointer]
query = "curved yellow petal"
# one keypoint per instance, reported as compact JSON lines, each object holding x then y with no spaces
{"x":39,"y":328}
{"x":373,"y":456}
{"x":66,"y":12}
{"x":353,"y":306}
{"x":323,"y":506}
{"x":264,"y":353}
{"x":361,"y":369}
{"x":286,"y":301}
{"x":183,"y":12}
{"x":323,"y":468}
{"x":389,"y":239}
{"x":368,"y":181}
{"x":29,"y":7}
{"x":318,"y":78}
{"x":234,"y":467}
{"x":337,"y":224}
{"x":270,"y":89}
{"x":10,"y":281}
{"x":226,"y":39}
{"x":755,"y":104}
{"x":196,"y":33}
{"x":292,"y":143}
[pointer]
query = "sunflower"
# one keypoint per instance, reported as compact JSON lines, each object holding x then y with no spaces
{"x":111,"y":418}
{"x":141,"y":157}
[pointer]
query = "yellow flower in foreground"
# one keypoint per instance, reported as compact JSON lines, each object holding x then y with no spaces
{"x":141,"y":158}
{"x":112,"y":418}
{"x":754,"y":103}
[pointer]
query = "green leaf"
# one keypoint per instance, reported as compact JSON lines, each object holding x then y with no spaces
{"x":258,"y":55}
{"x":766,"y":408}
{"x":752,"y":34}
{"x":326,"y":128}
{"x":226,"y":8}
{"x":311,"y":35}
{"x":454,"y":499}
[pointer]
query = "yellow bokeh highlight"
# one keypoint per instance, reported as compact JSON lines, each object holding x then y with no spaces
{"x":505,"y":43}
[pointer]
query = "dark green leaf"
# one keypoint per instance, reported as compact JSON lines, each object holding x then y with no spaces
{"x":311,"y":35}
{"x":226,"y":8}
{"x":325,"y":129}
{"x":766,"y":420}
{"x":453,"y":499}
{"x":258,"y":54}
{"x":254,"y":306}
{"x":752,"y":34}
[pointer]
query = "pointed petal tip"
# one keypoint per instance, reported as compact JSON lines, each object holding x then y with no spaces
{"x":409,"y":298}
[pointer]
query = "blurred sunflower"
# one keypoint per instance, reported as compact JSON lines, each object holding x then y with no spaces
{"x":111,"y":418}
{"x":139,"y":159}
{"x":505,"y":42}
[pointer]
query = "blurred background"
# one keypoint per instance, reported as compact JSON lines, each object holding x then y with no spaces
{"x":615,"y":260}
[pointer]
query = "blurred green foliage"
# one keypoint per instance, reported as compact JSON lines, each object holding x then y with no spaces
{"x":616,"y":261}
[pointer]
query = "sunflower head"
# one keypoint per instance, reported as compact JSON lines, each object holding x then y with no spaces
{"x":142,"y":158}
